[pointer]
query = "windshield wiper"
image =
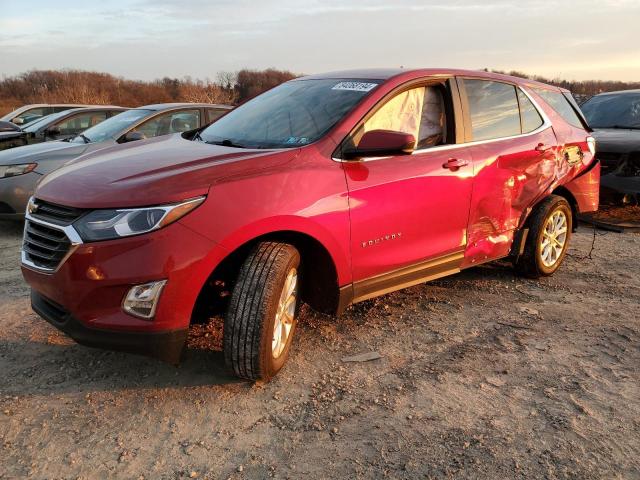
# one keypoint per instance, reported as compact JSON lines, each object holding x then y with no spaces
{"x":227,"y":143}
{"x":83,"y":137}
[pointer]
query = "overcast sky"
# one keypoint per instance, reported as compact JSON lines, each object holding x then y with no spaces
{"x":148,"y":39}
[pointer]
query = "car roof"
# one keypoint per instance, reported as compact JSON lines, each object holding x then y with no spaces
{"x":20,"y":110}
{"x":32,"y":105}
{"x":620,"y":92}
{"x":168,"y":106}
{"x":95,"y":107}
{"x":388,"y":73}
{"x":54,"y":117}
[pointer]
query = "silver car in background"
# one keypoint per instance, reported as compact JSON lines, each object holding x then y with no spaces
{"x":22,"y":168}
{"x":30,"y":113}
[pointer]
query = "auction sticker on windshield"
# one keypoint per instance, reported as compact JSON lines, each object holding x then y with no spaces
{"x":355,"y":86}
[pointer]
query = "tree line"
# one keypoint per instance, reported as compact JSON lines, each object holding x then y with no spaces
{"x":94,"y":88}
{"x":583,"y":89}
{"x":232,"y":88}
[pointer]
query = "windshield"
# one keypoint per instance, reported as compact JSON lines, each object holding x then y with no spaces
{"x":111,"y":127}
{"x":291,"y":115}
{"x":613,"y":111}
{"x":38,"y":124}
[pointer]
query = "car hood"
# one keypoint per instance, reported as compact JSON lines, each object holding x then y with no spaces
{"x":617,"y":140}
{"x":48,"y":151}
{"x":151,"y":172}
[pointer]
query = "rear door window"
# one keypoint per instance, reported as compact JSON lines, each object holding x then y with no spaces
{"x":214,"y":113}
{"x":493,"y":109}
{"x":531,"y":118}
{"x":561,"y":105}
{"x":80,"y":122}
{"x":172,"y":122}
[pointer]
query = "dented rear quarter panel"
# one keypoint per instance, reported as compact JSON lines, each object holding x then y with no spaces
{"x":510,"y":176}
{"x":586,"y":189}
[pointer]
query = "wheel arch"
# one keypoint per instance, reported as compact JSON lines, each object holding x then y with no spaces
{"x":317,"y":262}
{"x":520,"y":236}
{"x":564,"y":192}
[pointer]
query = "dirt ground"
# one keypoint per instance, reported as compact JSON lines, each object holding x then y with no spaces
{"x":482,"y":375}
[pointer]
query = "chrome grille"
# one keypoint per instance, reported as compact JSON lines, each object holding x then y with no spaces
{"x":44,"y":247}
{"x":57,"y":214}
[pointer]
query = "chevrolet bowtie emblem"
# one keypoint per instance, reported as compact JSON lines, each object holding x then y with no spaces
{"x":32,"y":207}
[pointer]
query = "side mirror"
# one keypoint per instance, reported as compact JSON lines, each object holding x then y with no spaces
{"x":52,"y":131}
{"x":18,"y":120}
{"x":133,"y":137}
{"x":8,"y":127}
{"x":382,"y":143}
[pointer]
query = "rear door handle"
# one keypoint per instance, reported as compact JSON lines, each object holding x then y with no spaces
{"x":454,"y":164}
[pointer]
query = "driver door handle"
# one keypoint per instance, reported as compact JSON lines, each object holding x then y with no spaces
{"x":454,"y":164}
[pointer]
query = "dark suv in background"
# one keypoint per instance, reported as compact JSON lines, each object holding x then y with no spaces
{"x":615,"y":118}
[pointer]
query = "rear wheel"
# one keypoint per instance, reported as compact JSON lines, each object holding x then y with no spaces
{"x":261,"y":318}
{"x":550,"y":227}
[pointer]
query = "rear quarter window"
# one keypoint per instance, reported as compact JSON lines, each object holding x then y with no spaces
{"x":561,"y":105}
{"x":531,"y":119}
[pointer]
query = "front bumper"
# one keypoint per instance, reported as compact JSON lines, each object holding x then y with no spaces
{"x":90,"y":285}
{"x":15,"y":193}
{"x":166,"y":346}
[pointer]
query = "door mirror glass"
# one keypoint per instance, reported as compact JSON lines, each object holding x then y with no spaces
{"x":380,"y":143}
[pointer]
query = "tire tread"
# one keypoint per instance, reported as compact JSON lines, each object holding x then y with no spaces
{"x":245,"y":320}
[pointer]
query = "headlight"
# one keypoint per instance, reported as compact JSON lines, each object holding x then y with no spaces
{"x":15,"y":170}
{"x":109,"y":224}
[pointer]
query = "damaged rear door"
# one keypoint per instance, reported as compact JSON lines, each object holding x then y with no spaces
{"x":514,"y":151}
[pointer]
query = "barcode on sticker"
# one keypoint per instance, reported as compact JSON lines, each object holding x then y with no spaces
{"x":355,"y":86}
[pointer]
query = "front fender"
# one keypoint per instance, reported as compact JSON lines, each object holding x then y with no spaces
{"x":296,"y":225}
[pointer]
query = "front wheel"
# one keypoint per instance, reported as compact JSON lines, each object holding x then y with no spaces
{"x":550,"y":226}
{"x":261,"y":318}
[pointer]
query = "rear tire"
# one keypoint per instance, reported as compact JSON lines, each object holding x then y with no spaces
{"x":550,"y":226}
{"x":262,"y":314}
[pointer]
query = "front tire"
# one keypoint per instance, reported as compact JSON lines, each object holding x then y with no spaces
{"x":550,"y":226}
{"x":262,"y":314}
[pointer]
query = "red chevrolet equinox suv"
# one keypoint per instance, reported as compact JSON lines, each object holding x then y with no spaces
{"x":328,"y":189}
